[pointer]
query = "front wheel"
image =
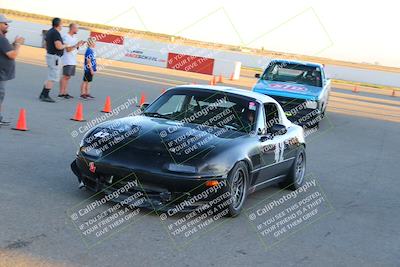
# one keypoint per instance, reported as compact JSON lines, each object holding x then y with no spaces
{"x":295,"y":178}
{"x":237,"y":186}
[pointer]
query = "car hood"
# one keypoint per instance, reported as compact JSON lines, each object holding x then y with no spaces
{"x":292,"y":90}
{"x":164,"y":137}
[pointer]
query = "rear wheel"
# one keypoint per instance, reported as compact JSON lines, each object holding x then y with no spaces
{"x":315,"y":122}
{"x":237,"y":186}
{"x":314,"y":125}
{"x":322,"y":116}
{"x":295,"y":178}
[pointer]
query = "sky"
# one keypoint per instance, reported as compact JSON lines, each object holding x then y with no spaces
{"x":351,"y":30}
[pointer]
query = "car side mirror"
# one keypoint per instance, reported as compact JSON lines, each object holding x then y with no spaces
{"x":278,"y":129}
{"x":144,"y":106}
{"x":257,"y":75}
{"x":263,"y":135}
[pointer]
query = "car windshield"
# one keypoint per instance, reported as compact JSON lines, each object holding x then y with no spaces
{"x":293,"y":73}
{"x":214,"y":109}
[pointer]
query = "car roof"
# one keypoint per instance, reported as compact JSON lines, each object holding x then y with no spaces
{"x":314,"y":64}
{"x":226,"y":89}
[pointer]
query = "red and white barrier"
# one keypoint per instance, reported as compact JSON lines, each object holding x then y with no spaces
{"x":190,"y":63}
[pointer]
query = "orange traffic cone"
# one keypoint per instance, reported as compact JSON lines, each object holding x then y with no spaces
{"x":21,"y":123}
{"x":231,"y":78}
{"x":142,"y":99}
{"x":211,"y":82}
{"x":393,"y":93}
{"x":79,"y":113}
{"x":220,"y":79}
{"x":107,"y":105}
{"x":355,"y":89}
{"x":214,"y":81}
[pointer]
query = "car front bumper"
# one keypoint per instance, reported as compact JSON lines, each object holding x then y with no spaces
{"x":160,"y":191}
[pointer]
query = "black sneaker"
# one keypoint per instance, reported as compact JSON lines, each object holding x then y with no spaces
{"x":61,"y":96}
{"x":84,"y":97}
{"x":89,"y":96}
{"x":47,"y":99}
{"x":68,"y":96}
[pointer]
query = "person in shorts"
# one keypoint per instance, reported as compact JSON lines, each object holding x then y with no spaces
{"x":8,"y":54}
{"x":55,"y":49}
{"x":69,"y":58}
{"x":90,"y":67}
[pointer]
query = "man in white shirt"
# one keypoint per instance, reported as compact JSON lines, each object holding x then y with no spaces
{"x":69,"y":59}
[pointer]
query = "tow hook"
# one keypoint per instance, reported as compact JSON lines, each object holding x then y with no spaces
{"x":81,"y":185}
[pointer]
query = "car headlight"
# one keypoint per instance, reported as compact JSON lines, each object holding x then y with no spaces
{"x":216,"y":169}
{"x":94,"y":152}
{"x":181,"y":168}
{"x":312,"y":104}
{"x":81,"y":145}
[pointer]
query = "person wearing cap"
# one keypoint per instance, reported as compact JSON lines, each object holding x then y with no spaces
{"x":69,"y":58}
{"x":8,"y":54}
{"x":55,"y":49}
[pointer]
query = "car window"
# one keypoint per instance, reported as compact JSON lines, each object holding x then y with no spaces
{"x":271,"y":114}
{"x":294,"y":73}
{"x":261,"y":122}
{"x":231,"y":112}
{"x":206,"y":108}
{"x":172,"y":105}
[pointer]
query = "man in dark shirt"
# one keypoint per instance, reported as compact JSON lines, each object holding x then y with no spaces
{"x":55,"y":49}
{"x":8,"y":54}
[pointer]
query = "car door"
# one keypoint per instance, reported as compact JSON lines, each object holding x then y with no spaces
{"x":271,"y":147}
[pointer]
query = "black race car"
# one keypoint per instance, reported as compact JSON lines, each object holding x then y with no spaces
{"x":189,"y":140}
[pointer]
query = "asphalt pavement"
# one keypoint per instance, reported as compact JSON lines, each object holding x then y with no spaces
{"x":354,"y":159}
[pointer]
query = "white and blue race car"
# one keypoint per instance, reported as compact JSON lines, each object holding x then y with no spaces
{"x":301,"y":88}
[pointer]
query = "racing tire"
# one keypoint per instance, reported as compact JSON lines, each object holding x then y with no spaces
{"x":315,"y":124}
{"x":323,"y":113}
{"x":295,"y":178}
{"x":237,"y":186}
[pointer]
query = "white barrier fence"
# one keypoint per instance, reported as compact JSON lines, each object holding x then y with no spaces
{"x":216,"y":62}
{"x":363,"y":75}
